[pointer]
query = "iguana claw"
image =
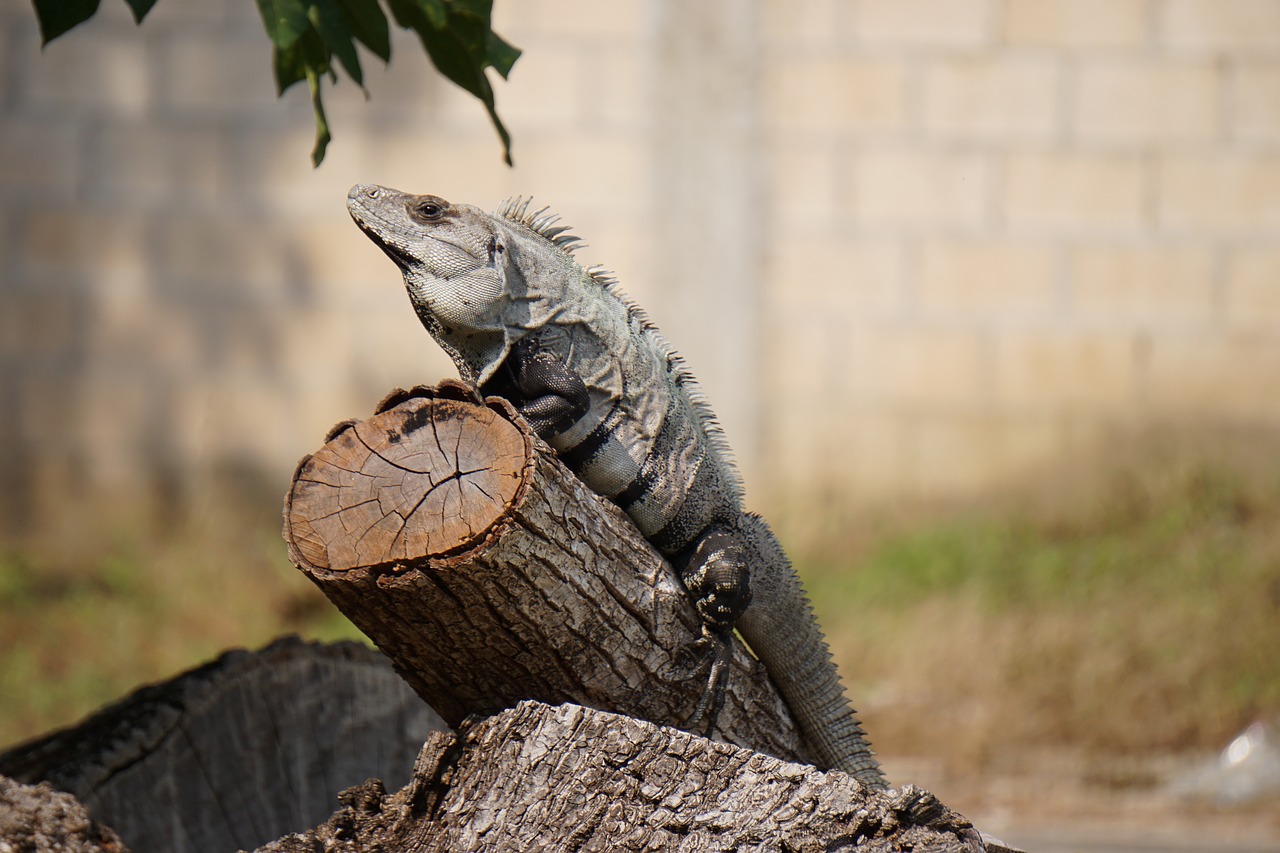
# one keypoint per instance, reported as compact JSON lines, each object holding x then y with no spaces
{"x":712,"y":701}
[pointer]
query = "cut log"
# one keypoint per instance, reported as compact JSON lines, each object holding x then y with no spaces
{"x":572,"y":778}
{"x":237,"y":752}
{"x":490,"y":574}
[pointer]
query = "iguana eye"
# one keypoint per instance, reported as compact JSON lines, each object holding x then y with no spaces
{"x":428,"y":209}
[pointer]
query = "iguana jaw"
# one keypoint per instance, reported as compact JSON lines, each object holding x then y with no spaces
{"x":389,"y":218}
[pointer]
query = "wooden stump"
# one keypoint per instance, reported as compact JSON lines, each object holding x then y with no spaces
{"x":236,"y":752}
{"x":571,"y":778}
{"x":489,"y":574}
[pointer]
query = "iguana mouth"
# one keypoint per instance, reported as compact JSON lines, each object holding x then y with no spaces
{"x":401,"y":256}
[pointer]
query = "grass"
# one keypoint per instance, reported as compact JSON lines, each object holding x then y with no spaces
{"x":82,"y":629}
{"x":1126,"y":607}
{"x":1136,"y":612}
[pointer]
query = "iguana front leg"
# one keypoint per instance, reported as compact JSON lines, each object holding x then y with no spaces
{"x":715,"y":574}
{"x":549,"y":395}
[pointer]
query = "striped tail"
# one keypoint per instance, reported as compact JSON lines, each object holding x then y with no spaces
{"x":782,"y":630}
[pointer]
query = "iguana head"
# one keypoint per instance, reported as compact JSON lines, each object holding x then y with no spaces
{"x":476,"y":281}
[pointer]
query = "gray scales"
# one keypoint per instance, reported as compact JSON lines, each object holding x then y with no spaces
{"x":503,"y":295}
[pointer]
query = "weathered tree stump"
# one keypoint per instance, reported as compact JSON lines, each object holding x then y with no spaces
{"x":489,"y":574}
{"x":573,"y":778}
{"x":42,"y":819}
{"x":237,"y":752}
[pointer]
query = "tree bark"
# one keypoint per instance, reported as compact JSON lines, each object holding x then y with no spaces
{"x":237,"y":752}
{"x":489,"y":574}
{"x":571,"y":778}
{"x":41,"y":819}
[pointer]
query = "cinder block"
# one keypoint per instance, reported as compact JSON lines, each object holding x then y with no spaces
{"x":1065,"y":370}
{"x":833,"y":451}
{"x":1255,"y":101}
{"x":932,"y":23}
{"x":920,"y":187}
{"x":1220,"y":192}
{"x":815,"y":275}
{"x":545,"y":90}
{"x":568,"y":168}
{"x":804,"y":178}
{"x":106,"y":73}
{"x":618,"y":90}
{"x":206,"y":76}
{"x":951,"y":453}
{"x":85,"y":241}
{"x":1148,"y":101}
{"x":40,"y":156}
{"x":799,"y":356}
{"x":154,"y":164}
{"x":1075,"y":23}
{"x":1144,"y":284}
{"x":993,"y":97}
{"x":833,"y":94}
{"x":1075,"y":191}
{"x":1253,"y":290}
{"x":913,"y":365}
{"x":988,"y":279}
{"x":820,"y":25}
{"x":625,"y":19}
{"x":1217,"y":25}
{"x":1214,"y":377}
{"x":195,"y":251}
{"x":47,"y":325}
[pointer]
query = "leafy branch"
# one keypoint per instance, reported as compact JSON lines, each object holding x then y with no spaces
{"x":307,"y":35}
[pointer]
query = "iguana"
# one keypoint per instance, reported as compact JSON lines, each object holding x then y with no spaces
{"x":503,"y":295}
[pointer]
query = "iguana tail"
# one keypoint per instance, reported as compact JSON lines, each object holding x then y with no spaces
{"x":781,"y":629}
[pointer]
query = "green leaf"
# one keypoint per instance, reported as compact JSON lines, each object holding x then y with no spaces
{"x":408,"y":15}
{"x":140,"y":8}
{"x":323,"y":138}
{"x":329,"y":21}
{"x":500,"y":53}
{"x":285,"y":20}
{"x":461,"y":47}
{"x":436,"y":12}
{"x":452,"y":59}
{"x":58,"y":16}
{"x":288,"y":66}
{"x":480,"y":8}
{"x":369,"y":25}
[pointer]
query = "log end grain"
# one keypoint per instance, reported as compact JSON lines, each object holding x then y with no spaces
{"x":432,"y":475}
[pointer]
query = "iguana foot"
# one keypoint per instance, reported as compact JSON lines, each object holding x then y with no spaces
{"x":712,"y":701}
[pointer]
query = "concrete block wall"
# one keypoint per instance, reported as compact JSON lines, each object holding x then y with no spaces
{"x":913,"y":248}
{"x":1026,"y":223}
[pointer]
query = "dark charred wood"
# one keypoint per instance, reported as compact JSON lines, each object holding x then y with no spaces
{"x":236,"y":752}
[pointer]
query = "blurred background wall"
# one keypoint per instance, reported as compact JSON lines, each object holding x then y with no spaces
{"x":912,"y":248}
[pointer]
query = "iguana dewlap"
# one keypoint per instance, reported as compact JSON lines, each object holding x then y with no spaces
{"x":505,"y":298}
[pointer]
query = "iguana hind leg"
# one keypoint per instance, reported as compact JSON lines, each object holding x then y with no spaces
{"x":716,"y":577}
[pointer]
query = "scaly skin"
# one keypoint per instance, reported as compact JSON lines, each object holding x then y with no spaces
{"x":504,"y":297}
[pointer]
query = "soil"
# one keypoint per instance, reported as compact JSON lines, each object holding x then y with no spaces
{"x":1054,"y":802}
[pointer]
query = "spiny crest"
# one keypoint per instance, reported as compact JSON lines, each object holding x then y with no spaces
{"x":680,"y":374}
{"x":541,"y":221}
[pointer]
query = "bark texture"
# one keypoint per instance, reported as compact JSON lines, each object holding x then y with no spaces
{"x":41,"y":819}
{"x":490,"y":574}
{"x":571,"y":778}
{"x":237,"y":752}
